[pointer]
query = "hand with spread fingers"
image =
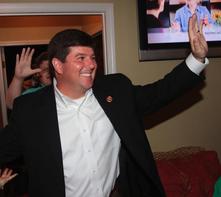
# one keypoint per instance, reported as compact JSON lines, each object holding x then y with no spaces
{"x":23,"y":64}
{"x":22,"y":70}
{"x":5,"y":176}
{"x":198,"y":42}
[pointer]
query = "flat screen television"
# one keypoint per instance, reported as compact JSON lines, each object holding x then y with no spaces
{"x":160,"y":38}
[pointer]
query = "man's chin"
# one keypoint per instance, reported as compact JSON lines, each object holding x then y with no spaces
{"x":88,"y":86}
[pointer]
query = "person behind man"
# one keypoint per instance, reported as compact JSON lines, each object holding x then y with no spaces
{"x":42,"y":78}
{"x":85,"y":136}
{"x":23,"y":69}
{"x":183,"y":14}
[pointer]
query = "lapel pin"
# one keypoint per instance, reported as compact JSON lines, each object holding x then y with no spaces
{"x":109,"y":99}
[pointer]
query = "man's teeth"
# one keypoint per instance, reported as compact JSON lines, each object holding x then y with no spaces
{"x":86,"y":74}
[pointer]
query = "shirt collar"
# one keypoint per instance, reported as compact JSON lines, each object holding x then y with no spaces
{"x":67,"y":101}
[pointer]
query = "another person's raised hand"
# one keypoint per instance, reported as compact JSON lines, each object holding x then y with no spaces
{"x":23,"y":64}
{"x":5,"y":176}
{"x":197,"y":40}
{"x":22,"y":70}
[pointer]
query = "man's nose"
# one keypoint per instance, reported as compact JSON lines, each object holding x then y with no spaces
{"x":91,"y":63}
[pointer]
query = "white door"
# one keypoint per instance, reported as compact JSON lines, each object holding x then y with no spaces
{"x":3,"y":86}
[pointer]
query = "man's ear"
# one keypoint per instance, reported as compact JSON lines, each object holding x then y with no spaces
{"x":58,"y":65}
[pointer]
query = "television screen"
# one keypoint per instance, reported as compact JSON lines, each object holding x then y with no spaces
{"x":163,"y":26}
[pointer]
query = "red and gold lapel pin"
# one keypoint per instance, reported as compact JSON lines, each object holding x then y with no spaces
{"x":109,"y":99}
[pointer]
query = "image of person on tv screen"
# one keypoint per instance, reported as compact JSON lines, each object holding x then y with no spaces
{"x":153,"y":10}
{"x":183,"y":14}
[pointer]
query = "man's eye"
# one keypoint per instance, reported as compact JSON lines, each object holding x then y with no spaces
{"x":81,"y":58}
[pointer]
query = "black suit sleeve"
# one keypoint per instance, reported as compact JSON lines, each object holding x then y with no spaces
{"x":151,"y":97}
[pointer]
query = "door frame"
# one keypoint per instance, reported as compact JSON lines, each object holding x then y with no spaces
{"x":103,"y":9}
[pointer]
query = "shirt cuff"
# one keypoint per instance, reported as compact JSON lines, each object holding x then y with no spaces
{"x":195,"y":65}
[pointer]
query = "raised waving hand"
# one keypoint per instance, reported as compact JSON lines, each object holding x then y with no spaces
{"x":197,"y":40}
{"x":23,"y":64}
{"x":22,"y":70}
{"x":5,"y":176}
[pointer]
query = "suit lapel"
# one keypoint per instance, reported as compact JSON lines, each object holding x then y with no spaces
{"x":127,"y":127}
{"x":51,"y":129}
{"x":105,"y":98}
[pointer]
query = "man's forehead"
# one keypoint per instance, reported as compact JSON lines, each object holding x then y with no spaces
{"x":81,"y":50}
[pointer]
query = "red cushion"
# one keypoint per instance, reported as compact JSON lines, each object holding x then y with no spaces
{"x":202,"y":169}
{"x":175,"y":182}
{"x":195,"y":171}
{"x":212,"y":167}
{"x":194,"y":175}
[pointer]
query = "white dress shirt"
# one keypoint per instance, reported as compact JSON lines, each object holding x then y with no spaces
{"x":90,"y":146}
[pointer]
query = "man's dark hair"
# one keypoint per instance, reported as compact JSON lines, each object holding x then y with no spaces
{"x":59,"y":45}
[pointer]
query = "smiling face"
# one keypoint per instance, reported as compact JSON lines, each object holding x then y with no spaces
{"x":76,"y":74}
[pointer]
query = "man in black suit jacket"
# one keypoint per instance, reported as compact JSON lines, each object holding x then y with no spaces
{"x":84,"y":137}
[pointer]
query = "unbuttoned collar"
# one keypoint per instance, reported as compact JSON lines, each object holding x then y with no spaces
{"x":66,"y":101}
